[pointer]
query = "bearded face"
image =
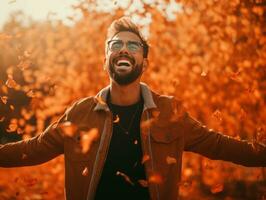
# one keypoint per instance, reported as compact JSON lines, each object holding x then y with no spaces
{"x":124,"y":70}
{"x":124,"y":66}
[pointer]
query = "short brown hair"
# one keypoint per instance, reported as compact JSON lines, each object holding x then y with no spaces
{"x":125,"y":24}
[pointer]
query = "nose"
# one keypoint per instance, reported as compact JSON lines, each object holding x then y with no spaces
{"x":124,"y":49}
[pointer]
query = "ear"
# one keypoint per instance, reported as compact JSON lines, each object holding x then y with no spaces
{"x":145,"y":64}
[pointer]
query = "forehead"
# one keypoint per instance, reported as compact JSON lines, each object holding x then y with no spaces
{"x":126,"y":36}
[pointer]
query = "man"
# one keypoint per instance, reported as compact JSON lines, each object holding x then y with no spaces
{"x":126,"y":142}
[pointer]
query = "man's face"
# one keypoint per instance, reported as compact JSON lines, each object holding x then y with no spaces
{"x":124,"y":61}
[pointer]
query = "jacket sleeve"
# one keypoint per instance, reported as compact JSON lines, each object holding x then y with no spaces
{"x":217,"y":146}
{"x":36,"y":150}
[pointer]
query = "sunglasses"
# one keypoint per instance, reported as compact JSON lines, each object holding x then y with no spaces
{"x":117,"y":45}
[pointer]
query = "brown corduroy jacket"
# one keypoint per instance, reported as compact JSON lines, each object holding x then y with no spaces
{"x":166,"y":131}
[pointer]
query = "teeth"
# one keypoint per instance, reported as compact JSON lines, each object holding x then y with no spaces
{"x":123,"y":61}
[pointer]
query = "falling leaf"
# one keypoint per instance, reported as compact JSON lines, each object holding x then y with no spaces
{"x":143,"y":183}
{"x":87,"y":138}
{"x":20,"y":131}
{"x":145,"y":158}
{"x":126,"y":178}
{"x":12,"y":127}
{"x":68,"y":128}
{"x":27,"y":54}
{"x":170,"y":160}
{"x":85,"y":171}
{"x":217,"y":188}
{"x":4,"y":99}
{"x":31,"y":94}
{"x":136,"y":142}
{"x":2,"y":119}
{"x":12,"y":107}
{"x":203,"y":73}
{"x":117,"y":119}
{"x":156,"y":179}
{"x":217,"y":115}
{"x":24,"y":64}
{"x":11,"y":83}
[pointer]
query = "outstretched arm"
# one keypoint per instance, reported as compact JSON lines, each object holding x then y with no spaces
{"x":217,"y":146}
{"x":36,"y":150}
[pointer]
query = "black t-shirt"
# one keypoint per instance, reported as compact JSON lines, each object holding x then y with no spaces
{"x":123,"y":168}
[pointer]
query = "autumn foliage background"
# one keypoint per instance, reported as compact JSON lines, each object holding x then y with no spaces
{"x":211,"y":54}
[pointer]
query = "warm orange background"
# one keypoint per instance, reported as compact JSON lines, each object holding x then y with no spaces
{"x":212,"y":56}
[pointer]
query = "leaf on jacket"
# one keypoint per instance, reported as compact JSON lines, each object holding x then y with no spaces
{"x":126,"y":177}
{"x":143,"y":183}
{"x":117,"y":119}
{"x":68,"y":128}
{"x":87,"y":138}
{"x":170,"y":160}
{"x":156,"y":179}
{"x":85,"y":171}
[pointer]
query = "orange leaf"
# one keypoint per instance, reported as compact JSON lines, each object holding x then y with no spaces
{"x":11,"y":83}
{"x":88,"y":138}
{"x":31,"y":94}
{"x":155,"y":178}
{"x":217,"y":188}
{"x":2,"y":119}
{"x":12,"y":126}
{"x":145,"y":158}
{"x":27,"y":54}
{"x":20,"y":131}
{"x":68,"y":128}
{"x":4,"y":99}
{"x":117,"y":119}
{"x":170,"y":160}
{"x":85,"y":171}
{"x":143,"y":183}
{"x":126,"y":178}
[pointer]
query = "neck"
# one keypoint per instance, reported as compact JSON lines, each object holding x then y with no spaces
{"x":126,"y":94}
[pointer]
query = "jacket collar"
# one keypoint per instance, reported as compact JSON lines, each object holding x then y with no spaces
{"x":145,"y":91}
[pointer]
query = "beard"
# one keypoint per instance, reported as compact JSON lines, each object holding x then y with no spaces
{"x":125,"y":79}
